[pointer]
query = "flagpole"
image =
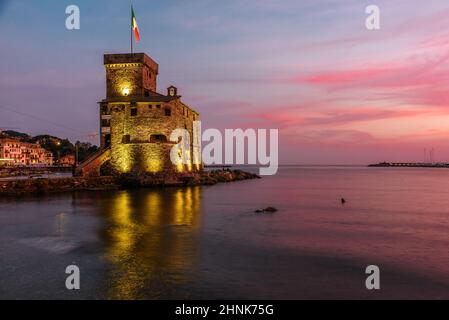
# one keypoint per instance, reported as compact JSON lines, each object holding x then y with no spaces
{"x":131,"y":27}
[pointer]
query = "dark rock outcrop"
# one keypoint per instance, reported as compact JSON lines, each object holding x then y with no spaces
{"x":267,"y":210}
{"x":130,"y":180}
{"x":44,"y":185}
{"x":183,"y":179}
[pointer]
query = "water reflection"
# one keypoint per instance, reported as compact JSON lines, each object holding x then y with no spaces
{"x":150,"y":241}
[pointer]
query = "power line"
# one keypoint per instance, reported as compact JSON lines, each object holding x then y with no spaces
{"x":45,"y":120}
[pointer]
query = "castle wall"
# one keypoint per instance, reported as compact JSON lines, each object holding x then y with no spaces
{"x":124,"y":76}
{"x":137,"y":72}
{"x":131,"y":146}
{"x":136,"y":125}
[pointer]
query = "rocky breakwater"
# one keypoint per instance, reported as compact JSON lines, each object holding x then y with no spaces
{"x":123,"y":181}
{"x":44,"y":185}
{"x":183,"y":179}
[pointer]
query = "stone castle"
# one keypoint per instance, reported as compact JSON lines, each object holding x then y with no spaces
{"x":136,"y":121}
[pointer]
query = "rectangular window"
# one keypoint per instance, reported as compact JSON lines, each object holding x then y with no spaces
{"x":158,"y":106}
{"x":168,"y":112}
{"x":126,"y":138}
{"x":133,"y":112}
{"x":147,"y":93}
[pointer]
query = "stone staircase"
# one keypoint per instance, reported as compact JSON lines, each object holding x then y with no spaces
{"x":91,"y":166}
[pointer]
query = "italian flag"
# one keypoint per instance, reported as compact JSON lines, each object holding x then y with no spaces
{"x":134,"y":25}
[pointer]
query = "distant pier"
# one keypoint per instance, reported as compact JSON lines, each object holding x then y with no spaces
{"x":411,"y":165}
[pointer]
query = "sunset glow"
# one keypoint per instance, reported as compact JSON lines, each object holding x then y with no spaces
{"x":339,"y":94}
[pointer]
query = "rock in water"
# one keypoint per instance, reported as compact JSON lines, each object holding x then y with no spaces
{"x":266,"y":210}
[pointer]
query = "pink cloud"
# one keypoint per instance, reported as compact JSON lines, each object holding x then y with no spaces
{"x":288,"y":117}
{"x":342,"y":77}
{"x":409,"y":82}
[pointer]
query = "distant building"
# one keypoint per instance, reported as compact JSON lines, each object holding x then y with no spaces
{"x":67,"y":161}
{"x":136,"y":121}
{"x":15,"y":152}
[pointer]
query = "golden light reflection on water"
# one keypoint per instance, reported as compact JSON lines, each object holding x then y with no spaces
{"x":150,"y":239}
{"x":122,"y":239}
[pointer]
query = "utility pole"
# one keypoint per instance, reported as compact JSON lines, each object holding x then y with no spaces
{"x":76,"y":153}
{"x":76,"y":159}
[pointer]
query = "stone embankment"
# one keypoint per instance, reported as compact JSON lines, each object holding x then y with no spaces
{"x":51,"y":185}
{"x":184,"y":179}
{"x":45,"y":185}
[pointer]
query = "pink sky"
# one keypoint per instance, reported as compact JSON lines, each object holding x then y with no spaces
{"x":338,"y":93}
{"x":359,"y":96}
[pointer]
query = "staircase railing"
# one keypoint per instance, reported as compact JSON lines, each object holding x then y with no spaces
{"x":92,"y":158}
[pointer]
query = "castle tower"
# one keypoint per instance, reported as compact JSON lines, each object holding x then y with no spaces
{"x":136,"y":121}
{"x":133,"y":75}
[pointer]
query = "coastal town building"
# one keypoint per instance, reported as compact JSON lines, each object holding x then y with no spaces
{"x":67,"y":160}
{"x":15,"y":152}
{"x":136,"y":121}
